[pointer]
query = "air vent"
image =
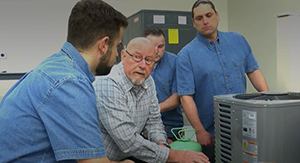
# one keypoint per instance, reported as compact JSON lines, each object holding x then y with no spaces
{"x":268,"y":97}
{"x":225,"y":132}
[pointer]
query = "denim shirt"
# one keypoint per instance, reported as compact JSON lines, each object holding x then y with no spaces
{"x":50,"y":114}
{"x":164,"y":75}
{"x":206,"y":68}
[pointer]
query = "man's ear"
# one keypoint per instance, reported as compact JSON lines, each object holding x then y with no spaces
{"x":193,"y":22}
{"x":103,"y":44}
{"x":218,"y":16}
{"x":123,"y":55}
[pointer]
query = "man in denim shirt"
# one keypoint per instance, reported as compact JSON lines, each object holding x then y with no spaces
{"x":164,"y":75}
{"x":50,"y":114}
{"x":213,"y":63}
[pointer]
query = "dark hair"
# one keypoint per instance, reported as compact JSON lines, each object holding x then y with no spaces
{"x":91,"y":20}
{"x":198,"y":2}
{"x":153,"y":30}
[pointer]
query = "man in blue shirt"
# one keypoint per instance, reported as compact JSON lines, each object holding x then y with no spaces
{"x":50,"y":114}
{"x":213,"y":63}
{"x":164,"y":75}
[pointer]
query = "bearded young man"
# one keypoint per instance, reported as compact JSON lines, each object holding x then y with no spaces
{"x":50,"y":114}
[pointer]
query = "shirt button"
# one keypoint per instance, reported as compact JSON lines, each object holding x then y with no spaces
{"x":223,"y":64}
{"x":218,"y":52}
{"x":229,"y":90}
{"x":226,"y":77}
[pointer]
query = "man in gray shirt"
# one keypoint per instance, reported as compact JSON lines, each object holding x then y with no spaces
{"x":127,"y":104}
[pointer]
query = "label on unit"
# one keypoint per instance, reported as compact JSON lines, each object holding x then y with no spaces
{"x":249,"y":124}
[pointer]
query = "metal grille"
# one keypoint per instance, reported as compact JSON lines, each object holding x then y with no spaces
{"x":269,"y":97}
{"x":225,"y":133}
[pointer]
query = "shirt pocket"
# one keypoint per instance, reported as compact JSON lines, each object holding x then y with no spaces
{"x":239,"y":68}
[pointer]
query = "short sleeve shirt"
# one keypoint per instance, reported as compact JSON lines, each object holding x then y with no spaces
{"x":164,"y":76}
{"x":51,"y":114}
{"x":206,"y":68}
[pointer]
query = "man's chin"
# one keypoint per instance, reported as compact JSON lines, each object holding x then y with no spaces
{"x":138,"y":82}
{"x":157,"y":58}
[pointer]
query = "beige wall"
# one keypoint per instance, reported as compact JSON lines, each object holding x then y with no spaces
{"x":129,"y":7}
{"x":32,"y":30}
{"x":256,"y":20}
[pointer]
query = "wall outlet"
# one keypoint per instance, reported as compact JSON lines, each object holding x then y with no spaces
{"x":3,"y":55}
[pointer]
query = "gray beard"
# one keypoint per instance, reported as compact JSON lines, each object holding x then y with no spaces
{"x":136,"y":82}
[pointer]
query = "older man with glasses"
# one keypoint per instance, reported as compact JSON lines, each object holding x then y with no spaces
{"x":127,"y":104}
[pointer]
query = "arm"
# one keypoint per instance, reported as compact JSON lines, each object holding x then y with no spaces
{"x":187,"y":157}
{"x":190,"y":109}
{"x":170,"y":103}
{"x":173,"y":101}
{"x":71,"y":111}
{"x":258,"y":81}
{"x":101,"y":160}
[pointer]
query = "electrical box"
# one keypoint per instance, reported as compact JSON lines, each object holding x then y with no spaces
{"x":176,"y":25}
{"x":257,"y":128}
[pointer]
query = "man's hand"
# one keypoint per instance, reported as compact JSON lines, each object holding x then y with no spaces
{"x":187,"y":157}
{"x":205,"y":139}
{"x":102,"y":160}
{"x":126,"y":161}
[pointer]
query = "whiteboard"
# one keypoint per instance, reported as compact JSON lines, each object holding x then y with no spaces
{"x":288,"y":51}
{"x":31,"y":30}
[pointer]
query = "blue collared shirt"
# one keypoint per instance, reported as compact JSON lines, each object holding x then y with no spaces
{"x":206,"y":68}
{"x":164,"y":75}
{"x":50,"y":114}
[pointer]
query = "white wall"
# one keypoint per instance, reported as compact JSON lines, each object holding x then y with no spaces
{"x":32,"y":30}
{"x":256,"y":20}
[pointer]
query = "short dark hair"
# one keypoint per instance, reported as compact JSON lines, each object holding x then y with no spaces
{"x":198,"y":2}
{"x":91,"y":20}
{"x":153,"y":30}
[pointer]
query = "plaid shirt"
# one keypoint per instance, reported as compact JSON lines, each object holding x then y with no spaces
{"x":125,"y":111}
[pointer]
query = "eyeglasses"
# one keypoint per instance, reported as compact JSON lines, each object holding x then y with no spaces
{"x":139,"y":58}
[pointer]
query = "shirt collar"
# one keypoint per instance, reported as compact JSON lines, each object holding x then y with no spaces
{"x":72,"y":53}
{"x":162,"y":59}
{"x":208,"y":43}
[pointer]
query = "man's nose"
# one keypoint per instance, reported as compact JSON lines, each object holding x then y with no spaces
{"x":205,"y":20}
{"x":142,"y":63}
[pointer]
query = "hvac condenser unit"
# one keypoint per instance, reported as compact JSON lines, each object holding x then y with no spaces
{"x":257,"y":128}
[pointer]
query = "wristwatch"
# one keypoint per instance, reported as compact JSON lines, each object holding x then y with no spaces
{"x":164,"y":143}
